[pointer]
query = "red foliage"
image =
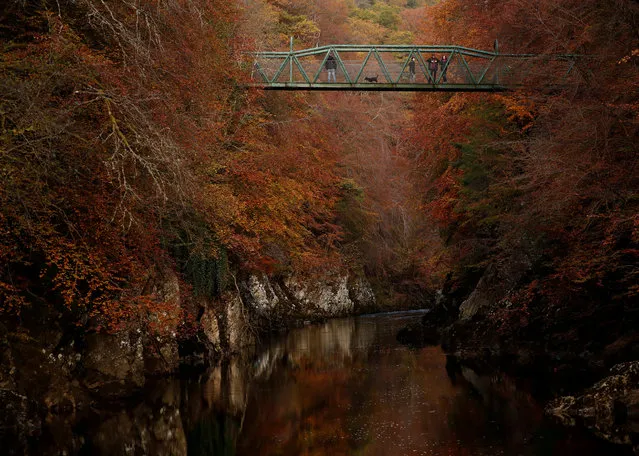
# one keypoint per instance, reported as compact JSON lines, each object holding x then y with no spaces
{"x":553,"y":173}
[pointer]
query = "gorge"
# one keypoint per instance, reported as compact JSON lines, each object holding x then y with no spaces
{"x":166,"y":228}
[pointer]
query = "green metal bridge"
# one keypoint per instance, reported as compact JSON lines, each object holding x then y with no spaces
{"x":387,"y":68}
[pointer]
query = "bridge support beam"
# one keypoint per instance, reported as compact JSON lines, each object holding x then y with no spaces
{"x":378,"y":87}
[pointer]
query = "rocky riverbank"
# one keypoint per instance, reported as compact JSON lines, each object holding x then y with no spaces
{"x":50,"y":370}
{"x":562,"y":348}
{"x":609,"y":408}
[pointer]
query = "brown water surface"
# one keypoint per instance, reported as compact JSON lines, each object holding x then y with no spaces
{"x":346,"y":387}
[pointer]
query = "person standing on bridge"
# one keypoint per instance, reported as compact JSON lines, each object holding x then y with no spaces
{"x":411,"y":69}
{"x":331,"y":66}
{"x":444,"y":64}
{"x":433,"y":65}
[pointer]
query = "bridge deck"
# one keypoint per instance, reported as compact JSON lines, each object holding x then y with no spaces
{"x":407,"y":68}
{"x":380,"y":87}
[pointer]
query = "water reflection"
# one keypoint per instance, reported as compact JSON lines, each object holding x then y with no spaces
{"x":347,"y":387}
{"x":342,"y":388}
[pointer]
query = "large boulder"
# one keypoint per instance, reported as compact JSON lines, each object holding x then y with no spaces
{"x":610,"y":408}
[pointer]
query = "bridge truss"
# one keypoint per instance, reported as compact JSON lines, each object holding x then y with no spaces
{"x":466,"y":70}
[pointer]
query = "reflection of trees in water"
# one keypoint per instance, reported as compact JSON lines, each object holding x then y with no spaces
{"x":491,"y":407}
{"x":337,"y":342}
{"x":332,"y":398}
{"x":153,"y":426}
{"x":337,"y":391}
{"x":314,"y":363}
{"x":333,"y":342}
{"x":213,"y":435}
{"x":345,"y":387}
{"x":300,"y":410}
{"x":310,"y":376}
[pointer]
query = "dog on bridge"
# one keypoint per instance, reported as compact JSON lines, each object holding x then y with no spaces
{"x":371,"y":78}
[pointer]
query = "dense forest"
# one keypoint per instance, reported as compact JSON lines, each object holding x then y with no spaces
{"x":132,"y":154}
{"x":130,"y":146}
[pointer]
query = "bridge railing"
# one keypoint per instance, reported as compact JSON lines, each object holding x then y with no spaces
{"x":362,"y":65}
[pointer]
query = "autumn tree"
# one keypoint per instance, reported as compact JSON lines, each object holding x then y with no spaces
{"x":544,"y":170}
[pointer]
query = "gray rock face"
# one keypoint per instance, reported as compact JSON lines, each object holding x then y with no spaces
{"x":331,"y":296}
{"x":239,"y":330}
{"x":264,"y":297}
{"x":161,"y":354}
{"x":361,"y":293}
{"x":610,"y":408}
{"x":232,"y":322}
{"x":497,"y":281}
{"x":328,"y":296}
{"x":211,"y":326}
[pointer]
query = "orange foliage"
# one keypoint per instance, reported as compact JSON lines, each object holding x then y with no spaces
{"x":142,"y":131}
{"x":550,"y":167}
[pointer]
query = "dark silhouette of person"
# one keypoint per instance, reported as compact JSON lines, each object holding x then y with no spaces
{"x":444,"y":64}
{"x":411,"y":69}
{"x":433,"y":65}
{"x":331,"y":66}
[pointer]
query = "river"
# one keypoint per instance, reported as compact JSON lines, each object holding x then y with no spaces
{"x":346,"y":387}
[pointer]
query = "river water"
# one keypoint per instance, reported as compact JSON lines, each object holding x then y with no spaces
{"x":346,"y":387}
